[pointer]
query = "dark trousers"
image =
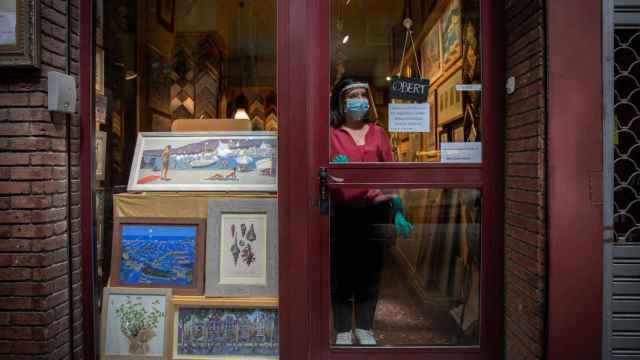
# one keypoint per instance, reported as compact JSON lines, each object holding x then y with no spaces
{"x":358,"y":240}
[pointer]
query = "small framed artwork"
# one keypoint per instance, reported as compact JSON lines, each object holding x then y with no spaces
{"x":101,"y":109}
{"x":450,"y":99}
{"x":99,"y":71}
{"x":432,"y":54}
{"x":205,"y":161}
{"x":135,"y":323}
{"x":101,"y":151}
{"x":19,"y":33}
{"x":159,"y":253}
{"x":248,"y":330}
{"x":166,"y":14}
{"x":242,"y":248}
{"x":451,"y":34}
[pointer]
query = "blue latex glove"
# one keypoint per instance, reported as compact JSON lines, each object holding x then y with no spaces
{"x":403,"y":226}
{"x":341,"y":159}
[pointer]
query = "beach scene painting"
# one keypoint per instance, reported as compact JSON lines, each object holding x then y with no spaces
{"x":217,"y":333}
{"x":214,"y":161}
{"x":159,"y":255}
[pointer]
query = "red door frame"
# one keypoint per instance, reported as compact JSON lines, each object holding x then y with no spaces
{"x":575,"y":267}
{"x":303,"y":81}
{"x":488,"y":177}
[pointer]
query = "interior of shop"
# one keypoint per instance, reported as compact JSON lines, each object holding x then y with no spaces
{"x":207,"y":69}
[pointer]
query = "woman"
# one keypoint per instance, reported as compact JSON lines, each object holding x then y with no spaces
{"x":360,"y":216}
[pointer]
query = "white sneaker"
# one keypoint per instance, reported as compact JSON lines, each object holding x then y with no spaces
{"x":365,"y":337}
{"x":344,"y":338}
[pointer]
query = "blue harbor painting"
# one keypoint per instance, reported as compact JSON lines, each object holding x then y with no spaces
{"x":227,"y":332}
{"x":161,"y":255}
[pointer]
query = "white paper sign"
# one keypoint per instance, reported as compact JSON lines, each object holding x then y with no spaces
{"x":409,"y":117}
{"x":469,"y":87}
{"x":7,"y":28}
{"x":461,"y":152}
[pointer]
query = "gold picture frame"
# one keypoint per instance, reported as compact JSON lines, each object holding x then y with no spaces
{"x":20,"y":33}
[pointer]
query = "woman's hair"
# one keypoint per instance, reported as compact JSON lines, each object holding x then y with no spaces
{"x":337,"y":113}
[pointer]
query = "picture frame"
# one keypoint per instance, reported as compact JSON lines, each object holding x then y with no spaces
{"x":449,"y":99}
{"x":432,"y":53}
{"x":20,"y":33}
{"x":99,"y":71}
{"x":132,"y":341}
{"x":101,"y":152}
{"x":101,"y":109}
{"x":223,"y":329}
{"x":205,"y":161}
{"x":158,"y":88}
{"x":242,"y":248}
{"x":451,"y":34}
{"x":166,"y":14}
{"x":138,"y":259}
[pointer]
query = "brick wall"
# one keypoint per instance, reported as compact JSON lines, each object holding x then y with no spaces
{"x":525,"y":228}
{"x":39,"y":205}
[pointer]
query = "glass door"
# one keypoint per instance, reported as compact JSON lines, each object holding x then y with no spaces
{"x":405,"y":238}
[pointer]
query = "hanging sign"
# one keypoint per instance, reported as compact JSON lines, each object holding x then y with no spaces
{"x":409,"y":117}
{"x":461,"y":152}
{"x":403,"y":88}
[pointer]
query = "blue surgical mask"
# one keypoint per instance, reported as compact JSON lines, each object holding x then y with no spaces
{"x":357,"y":108}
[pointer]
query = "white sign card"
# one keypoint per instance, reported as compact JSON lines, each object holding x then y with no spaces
{"x":461,"y":152}
{"x":409,"y":117}
{"x":7,"y":27}
{"x":469,"y":87}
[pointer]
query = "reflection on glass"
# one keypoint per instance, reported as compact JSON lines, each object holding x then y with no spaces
{"x":8,"y":21}
{"x":405,"y":267}
{"x":369,"y":45}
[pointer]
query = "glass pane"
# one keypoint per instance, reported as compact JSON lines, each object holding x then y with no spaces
{"x":186,"y":66}
{"x":370,"y":47}
{"x":405,"y":267}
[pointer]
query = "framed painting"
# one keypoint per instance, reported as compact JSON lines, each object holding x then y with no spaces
{"x":135,"y":323}
{"x":99,"y":71}
{"x":101,"y":152}
{"x":225,"y":332}
{"x":166,"y":14}
{"x":158,"y":84}
{"x":159,"y":253}
{"x":101,"y":109}
{"x":450,"y":99}
{"x":19,"y":33}
{"x":205,"y":161}
{"x":432,"y":54}
{"x":242,"y":248}
{"x":451,"y":34}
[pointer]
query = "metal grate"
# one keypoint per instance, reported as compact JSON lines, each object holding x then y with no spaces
{"x":627,"y":135}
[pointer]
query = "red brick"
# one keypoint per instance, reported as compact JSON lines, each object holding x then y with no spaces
{"x":14,"y":187}
{"x":30,"y":202}
{"x":49,"y":159}
{"x":14,"y":99}
{"x":31,"y":173}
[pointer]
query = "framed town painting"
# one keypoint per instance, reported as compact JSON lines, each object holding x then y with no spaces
{"x":135,"y":324}
{"x":242,"y":248}
{"x":159,"y":253}
{"x":19,"y":33}
{"x":205,"y":161}
{"x":224,"y":332}
{"x":451,"y":34}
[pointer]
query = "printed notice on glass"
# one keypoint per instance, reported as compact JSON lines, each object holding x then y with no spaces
{"x":461,"y":152}
{"x":409,"y":117}
{"x":7,"y":28}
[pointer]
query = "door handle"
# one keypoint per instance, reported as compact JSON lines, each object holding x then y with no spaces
{"x":323,"y":199}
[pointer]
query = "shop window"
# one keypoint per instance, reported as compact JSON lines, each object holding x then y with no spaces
{"x":185,"y":219}
{"x":370,"y":44}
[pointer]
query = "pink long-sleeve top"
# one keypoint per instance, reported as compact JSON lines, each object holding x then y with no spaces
{"x":376,"y":148}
